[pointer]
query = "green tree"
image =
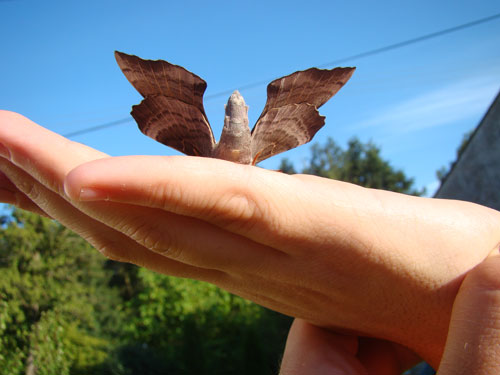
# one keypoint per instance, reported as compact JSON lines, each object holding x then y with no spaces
{"x":361,"y":164}
{"x":182,"y":326}
{"x":65,"y":309}
{"x":52,"y":313}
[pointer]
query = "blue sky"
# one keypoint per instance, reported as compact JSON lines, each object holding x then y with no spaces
{"x":57,"y":67}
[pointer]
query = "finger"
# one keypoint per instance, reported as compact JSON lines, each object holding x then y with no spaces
{"x":10,"y":194}
{"x":472,"y":346}
{"x":311,"y":350}
{"x":265,"y":206}
{"x":117,"y":246}
{"x":111,"y":243}
{"x":186,"y":239}
{"x":385,"y":357}
{"x":172,"y":234}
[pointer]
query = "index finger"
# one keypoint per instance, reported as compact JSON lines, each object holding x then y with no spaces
{"x":45,"y":155}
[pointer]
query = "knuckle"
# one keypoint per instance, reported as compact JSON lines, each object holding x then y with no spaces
{"x":166,"y":196}
{"x":154,"y":237}
{"x":157,"y":196}
{"x":111,"y":253}
{"x":242,"y":205}
{"x":106,"y":247}
{"x":172,"y":252}
{"x":237,"y":209}
{"x":485,"y":275}
{"x":30,"y":189}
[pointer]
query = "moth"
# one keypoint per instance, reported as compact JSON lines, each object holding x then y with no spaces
{"x":172,"y":111}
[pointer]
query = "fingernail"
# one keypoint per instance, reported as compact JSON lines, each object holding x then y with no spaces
{"x":4,"y":151}
{"x":91,"y":194}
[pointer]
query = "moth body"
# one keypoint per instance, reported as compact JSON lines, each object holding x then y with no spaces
{"x":235,"y":140}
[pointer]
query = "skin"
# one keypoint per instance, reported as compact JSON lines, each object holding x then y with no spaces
{"x":355,"y":261}
{"x":471,"y":348}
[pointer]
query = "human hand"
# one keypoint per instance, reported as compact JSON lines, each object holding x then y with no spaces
{"x":313,"y":350}
{"x":339,"y":256}
{"x":471,"y":348}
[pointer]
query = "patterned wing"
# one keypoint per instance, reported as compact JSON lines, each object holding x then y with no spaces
{"x":172,"y":112}
{"x":290,"y":117}
{"x":175,"y":124}
{"x":314,"y":86}
{"x":284,"y":128}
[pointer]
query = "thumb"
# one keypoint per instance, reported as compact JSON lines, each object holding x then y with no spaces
{"x":473,"y":343}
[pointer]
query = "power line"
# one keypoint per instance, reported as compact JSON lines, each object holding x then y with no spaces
{"x":412,"y":41}
{"x":97,"y":127}
{"x":371,"y":52}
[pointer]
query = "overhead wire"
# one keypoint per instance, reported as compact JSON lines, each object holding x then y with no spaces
{"x":97,"y":127}
{"x":360,"y":55}
{"x":405,"y":43}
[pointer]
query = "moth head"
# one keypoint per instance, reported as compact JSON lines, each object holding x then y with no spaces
{"x":236,"y":107}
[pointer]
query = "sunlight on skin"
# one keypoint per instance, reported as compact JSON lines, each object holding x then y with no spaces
{"x":362,"y":261}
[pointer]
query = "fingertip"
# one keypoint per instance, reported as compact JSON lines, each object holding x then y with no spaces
{"x":73,"y":184}
{"x":79,"y":183}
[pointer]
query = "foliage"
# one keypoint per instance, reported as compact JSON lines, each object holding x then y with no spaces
{"x":361,"y":164}
{"x":191,"y":327}
{"x":48,"y":293}
{"x":65,"y":309}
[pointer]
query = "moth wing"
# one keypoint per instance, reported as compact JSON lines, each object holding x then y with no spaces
{"x":172,"y":112}
{"x":284,"y":128}
{"x":314,"y":86}
{"x":159,"y":77}
{"x":175,"y":124}
{"x":290,"y":115}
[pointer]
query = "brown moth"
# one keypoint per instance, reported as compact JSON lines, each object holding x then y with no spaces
{"x":172,"y":111}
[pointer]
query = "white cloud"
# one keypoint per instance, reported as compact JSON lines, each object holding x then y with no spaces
{"x":454,"y":102}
